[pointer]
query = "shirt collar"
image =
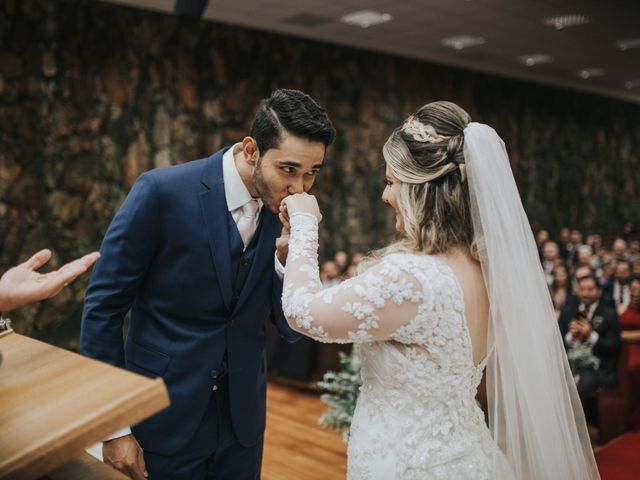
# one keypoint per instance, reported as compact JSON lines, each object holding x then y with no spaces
{"x":589,"y":311}
{"x":235,"y":191}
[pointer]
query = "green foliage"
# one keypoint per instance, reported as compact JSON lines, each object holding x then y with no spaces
{"x":343,"y":388}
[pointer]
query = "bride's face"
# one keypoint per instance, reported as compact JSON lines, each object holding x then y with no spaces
{"x":390,"y":196}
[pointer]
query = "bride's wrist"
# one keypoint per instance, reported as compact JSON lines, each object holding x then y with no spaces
{"x":301,"y":215}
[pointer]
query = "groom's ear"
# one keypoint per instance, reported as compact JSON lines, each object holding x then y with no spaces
{"x":250,"y":149}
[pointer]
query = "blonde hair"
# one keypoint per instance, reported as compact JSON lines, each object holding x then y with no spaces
{"x":426,"y":155}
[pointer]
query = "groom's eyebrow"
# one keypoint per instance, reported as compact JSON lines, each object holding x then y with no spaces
{"x":291,"y":163}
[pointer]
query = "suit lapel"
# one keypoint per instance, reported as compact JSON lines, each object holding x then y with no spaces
{"x":215,"y":211}
{"x":265,"y":250}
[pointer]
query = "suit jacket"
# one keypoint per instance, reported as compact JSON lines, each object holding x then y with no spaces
{"x":605,"y":322}
{"x":166,"y":258}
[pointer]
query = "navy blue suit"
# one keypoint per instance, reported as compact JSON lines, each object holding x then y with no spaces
{"x":198,"y":302}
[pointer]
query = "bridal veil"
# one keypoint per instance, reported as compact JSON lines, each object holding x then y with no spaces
{"x":535,"y":414}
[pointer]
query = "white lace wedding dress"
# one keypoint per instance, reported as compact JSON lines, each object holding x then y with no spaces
{"x":416,"y":416}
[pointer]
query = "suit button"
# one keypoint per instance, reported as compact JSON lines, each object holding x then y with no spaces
{"x":214,"y":374}
{"x":232,"y":322}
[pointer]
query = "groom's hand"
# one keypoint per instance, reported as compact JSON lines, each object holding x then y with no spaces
{"x":125,"y":455}
{"x":282,"y":242}
{"x":282,"y":245}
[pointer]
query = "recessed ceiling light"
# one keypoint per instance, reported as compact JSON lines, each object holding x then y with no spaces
{"x":535,"y":59}
{"x":627,"y":44}
{"x":460,"y":42}
{"x":366,"y":18}
{"x":587,"y":73}
{"x":564,"y":21}
{"x":629,"y":84}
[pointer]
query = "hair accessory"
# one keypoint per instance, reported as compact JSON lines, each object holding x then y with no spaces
{"x":421,"y":132}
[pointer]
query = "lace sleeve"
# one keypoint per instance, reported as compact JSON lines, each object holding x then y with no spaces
{"x":366,"y":308}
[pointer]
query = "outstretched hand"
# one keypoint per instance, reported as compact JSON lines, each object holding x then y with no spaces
{"x":22,"y":284}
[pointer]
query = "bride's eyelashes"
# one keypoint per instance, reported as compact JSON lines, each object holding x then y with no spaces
{"x":387,"y":182}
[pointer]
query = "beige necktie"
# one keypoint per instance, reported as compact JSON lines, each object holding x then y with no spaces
{"x":247,"y":221}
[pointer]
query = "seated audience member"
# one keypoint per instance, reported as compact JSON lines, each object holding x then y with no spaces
{"x":573,"y":246}
{"x":635,"y":268}
{"x":550,"y":258}
{"x":620,"y":252}
{"x":607,"y":269}
{"x":542,"y":237}
{"x":584,"y":256}
{"x":594,"y":241}
{"x":634,"y":251}
{"x":357,"y":258}
{"x":330,"y":274}
{"x":618,"y":289}
{"x":565,"y":239}
{"x":630,"y":320}
{"x":560,"y":288}
{"x":591,"y":332}
{"x":341,"y":259}
{"x":22,"y":284}
{"x":580,"y":272}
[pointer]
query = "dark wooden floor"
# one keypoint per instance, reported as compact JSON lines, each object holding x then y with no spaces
{"x":296,"y":447}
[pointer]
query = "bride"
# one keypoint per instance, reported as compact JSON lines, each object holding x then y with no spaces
{"x":460,"y":291}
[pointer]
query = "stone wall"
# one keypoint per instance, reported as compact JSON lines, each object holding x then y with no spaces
{"x":93,"y":94}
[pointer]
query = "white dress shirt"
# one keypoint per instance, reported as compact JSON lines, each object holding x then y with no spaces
{"x":237,"y":194}
{"x":235,"y":191}
{"x":621,"y":294}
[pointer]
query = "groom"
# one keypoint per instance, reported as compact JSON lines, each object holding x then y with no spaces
{"x":191,"y":254}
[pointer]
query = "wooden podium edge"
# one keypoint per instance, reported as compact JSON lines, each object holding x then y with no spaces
{"x":154,"y":398}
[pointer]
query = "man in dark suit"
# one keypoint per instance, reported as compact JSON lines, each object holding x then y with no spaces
{"x":618,"y":288}
{"x":593,"y":324}
{"x":191,"y":253}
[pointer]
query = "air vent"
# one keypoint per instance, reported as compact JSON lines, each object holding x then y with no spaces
{"x":565,"y":21}
{"x":628,"y":44}
{"x":535,"y":59}
{"x":366,"y":18}
{"x":629,"y":84}
{"x":460,"y":42}
{"x":587,"y":73}
{"x":305,"y":19}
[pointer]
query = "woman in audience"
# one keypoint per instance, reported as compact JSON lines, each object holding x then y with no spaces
{"x":560,"y":288}
{"x":630,"y":320}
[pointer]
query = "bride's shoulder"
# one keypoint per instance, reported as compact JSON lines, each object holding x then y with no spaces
{"x":410,"y":259}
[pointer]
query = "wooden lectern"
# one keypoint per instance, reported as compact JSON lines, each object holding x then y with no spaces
{"x":55,"y":403}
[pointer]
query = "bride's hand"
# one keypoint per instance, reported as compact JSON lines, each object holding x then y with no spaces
{"x":301,"y":203}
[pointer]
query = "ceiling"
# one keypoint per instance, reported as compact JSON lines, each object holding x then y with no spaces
{"x":509,"y":29}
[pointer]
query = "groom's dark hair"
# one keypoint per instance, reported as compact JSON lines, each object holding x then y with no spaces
{"x":293,"y":112}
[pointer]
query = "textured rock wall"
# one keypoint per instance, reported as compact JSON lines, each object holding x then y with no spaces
{"x":93,"y":94}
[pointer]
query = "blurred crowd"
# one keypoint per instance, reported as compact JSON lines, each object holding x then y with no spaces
{"x":340,"y":268}
{"x":595,"y":290}
{"x":572,"y":256}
